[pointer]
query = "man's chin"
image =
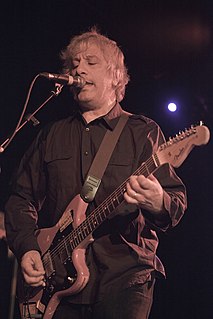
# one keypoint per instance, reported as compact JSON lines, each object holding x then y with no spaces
{"x":84,"y":103}
{"x":82,"y":98}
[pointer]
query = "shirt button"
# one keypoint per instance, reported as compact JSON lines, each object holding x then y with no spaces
{"x":87,"y":129}
{"x":86,"y":153}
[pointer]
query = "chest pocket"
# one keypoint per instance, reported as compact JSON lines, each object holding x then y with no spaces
{"x":123,"y":154}
{"x":121,"y":159}
{"x":59,"y":168}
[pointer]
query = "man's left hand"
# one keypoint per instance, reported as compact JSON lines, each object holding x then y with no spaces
{"x":147,"y":193}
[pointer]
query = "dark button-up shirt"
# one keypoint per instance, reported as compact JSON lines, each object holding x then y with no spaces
{"x":53,"y":171}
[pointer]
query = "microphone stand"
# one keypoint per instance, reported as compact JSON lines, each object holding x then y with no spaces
{"x":3,"y":146}
{"x":31,"y":117}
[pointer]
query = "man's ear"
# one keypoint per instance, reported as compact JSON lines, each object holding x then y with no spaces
{"x":116,"y":77}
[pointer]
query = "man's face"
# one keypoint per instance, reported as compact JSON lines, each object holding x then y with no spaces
{"x":90,"y":64}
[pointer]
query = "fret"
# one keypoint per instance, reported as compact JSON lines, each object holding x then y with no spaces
{"x":119,"y":199}
{"x":99,"y":218}
{"x":156,"y":159}
{"x":146,"y":170}
{"x":72,"y":244}
{"x":123,"y":190}
{"x":90,"y":222}
{"x":120,"y":196}
{"x":96,"y":220}
{"x":104,"y":212}
{"x":115,"y":200}
{"x":90,"y":227}
{"x":103,"y":215}
{"x":85,"y":231}
{"x":94,"y":223}
{"x":111,"y":206}
{"x":152,"y":165}
{"x":78,"y":239}
{"x":75,"y":240}
{"x":80,"y":235}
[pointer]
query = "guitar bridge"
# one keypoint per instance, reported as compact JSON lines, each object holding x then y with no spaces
{"x":40,"y":306}
{"x":29,"y":310}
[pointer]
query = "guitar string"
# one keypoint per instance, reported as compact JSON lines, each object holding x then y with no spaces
{"x":144,"y":168}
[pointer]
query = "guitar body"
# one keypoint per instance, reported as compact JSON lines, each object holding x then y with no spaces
{"x":66,"y":270}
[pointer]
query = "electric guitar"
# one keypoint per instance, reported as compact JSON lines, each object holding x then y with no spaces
{"x":64,"y":245}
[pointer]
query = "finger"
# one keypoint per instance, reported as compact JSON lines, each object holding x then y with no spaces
{"x":133,"y":180}
{"x":33,"y":277}
{"x":34,"y":282}
{"x":30,"y":270}
{"x":33,"y":267}
{"x":131,"y":191}
{"x":144,"y":182}
{"x":129,"y":199}
{"x":130,"y":195}
{"x":38,"y":266}
{"x":140,"y":183}
{"x":133,"y":184}
{"x":152,"y":178}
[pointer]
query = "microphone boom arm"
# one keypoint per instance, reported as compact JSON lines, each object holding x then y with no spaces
{"x":56,"y":92}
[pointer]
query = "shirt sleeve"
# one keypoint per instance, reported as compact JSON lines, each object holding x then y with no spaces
{"x":27,"y":196}
{"x":174,"y":198}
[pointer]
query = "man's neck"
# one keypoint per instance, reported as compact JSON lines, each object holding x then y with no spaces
{"x":91,"y":115}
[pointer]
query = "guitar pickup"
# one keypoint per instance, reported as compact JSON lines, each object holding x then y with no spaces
{"x":48,"y":264}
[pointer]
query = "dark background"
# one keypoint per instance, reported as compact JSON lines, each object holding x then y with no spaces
{"x":169,"y":53}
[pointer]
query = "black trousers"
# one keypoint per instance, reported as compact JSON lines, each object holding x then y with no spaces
{"x":131,"y":303}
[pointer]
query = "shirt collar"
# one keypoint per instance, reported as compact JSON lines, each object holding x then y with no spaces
{"x":110,"y":119}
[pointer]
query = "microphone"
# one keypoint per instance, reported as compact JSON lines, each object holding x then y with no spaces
{"x":64,"y":79}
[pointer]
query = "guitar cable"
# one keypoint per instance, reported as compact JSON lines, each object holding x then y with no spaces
{"x":27,"y":305}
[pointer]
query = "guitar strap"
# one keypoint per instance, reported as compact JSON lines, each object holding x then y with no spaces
{"x":101,"y":160}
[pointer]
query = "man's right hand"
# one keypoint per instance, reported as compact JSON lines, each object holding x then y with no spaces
{"x":32,"y":268}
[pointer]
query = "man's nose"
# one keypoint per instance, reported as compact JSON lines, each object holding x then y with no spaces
{"x":81,"y":68}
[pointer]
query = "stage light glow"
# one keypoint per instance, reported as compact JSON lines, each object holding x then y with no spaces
{"x":172,"y":107}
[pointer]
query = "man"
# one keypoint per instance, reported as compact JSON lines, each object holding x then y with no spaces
{"x":122,"y":259}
